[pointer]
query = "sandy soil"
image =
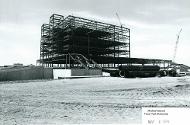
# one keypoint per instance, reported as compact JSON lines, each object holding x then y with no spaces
{"x":88,"y":100}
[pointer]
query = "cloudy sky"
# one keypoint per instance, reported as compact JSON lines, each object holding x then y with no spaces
{"x":154,"y":25}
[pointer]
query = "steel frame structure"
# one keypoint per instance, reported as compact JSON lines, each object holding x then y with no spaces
{"x":94,"y":40}
{"x":78,"y":42}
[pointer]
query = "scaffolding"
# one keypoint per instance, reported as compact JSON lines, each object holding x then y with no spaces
{"x":64,"y":39}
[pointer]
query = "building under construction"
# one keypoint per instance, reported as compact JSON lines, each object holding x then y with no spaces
{"x":72,"y":42}
{"x":78,"y":47}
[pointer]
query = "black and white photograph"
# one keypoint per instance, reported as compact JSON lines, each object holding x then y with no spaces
{"x":94,"y":62}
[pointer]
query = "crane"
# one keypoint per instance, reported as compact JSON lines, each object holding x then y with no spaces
{"x":176,"y":45}
{"x":119,"y":19}
{"x":119,"y":22}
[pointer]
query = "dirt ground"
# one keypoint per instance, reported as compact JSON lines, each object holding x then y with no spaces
{"x":88,"y":100}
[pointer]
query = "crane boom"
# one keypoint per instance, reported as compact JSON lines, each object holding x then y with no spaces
{"x":176,"y":45}
{"x":119,"y":19}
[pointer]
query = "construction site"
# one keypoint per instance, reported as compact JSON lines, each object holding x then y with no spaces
{"x":75,"y":46}
{"x":74,"y":42}
{"x":99,"y":80}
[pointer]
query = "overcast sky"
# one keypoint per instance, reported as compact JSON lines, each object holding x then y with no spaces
{"x":154,"y":25}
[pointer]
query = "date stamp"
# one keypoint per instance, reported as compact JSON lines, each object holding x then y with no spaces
{"x":165,"y":116}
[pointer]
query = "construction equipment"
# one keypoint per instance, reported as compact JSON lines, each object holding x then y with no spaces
{"x":176,"y":46}
{"x":119,"y":19}
{"x":138,"y":71}
{"x":173,"y":67}
{"x":133,"y":71}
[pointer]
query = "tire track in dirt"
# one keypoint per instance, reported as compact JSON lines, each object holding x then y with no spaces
{"x":86,"y":103}
{"x":155,"y":93}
